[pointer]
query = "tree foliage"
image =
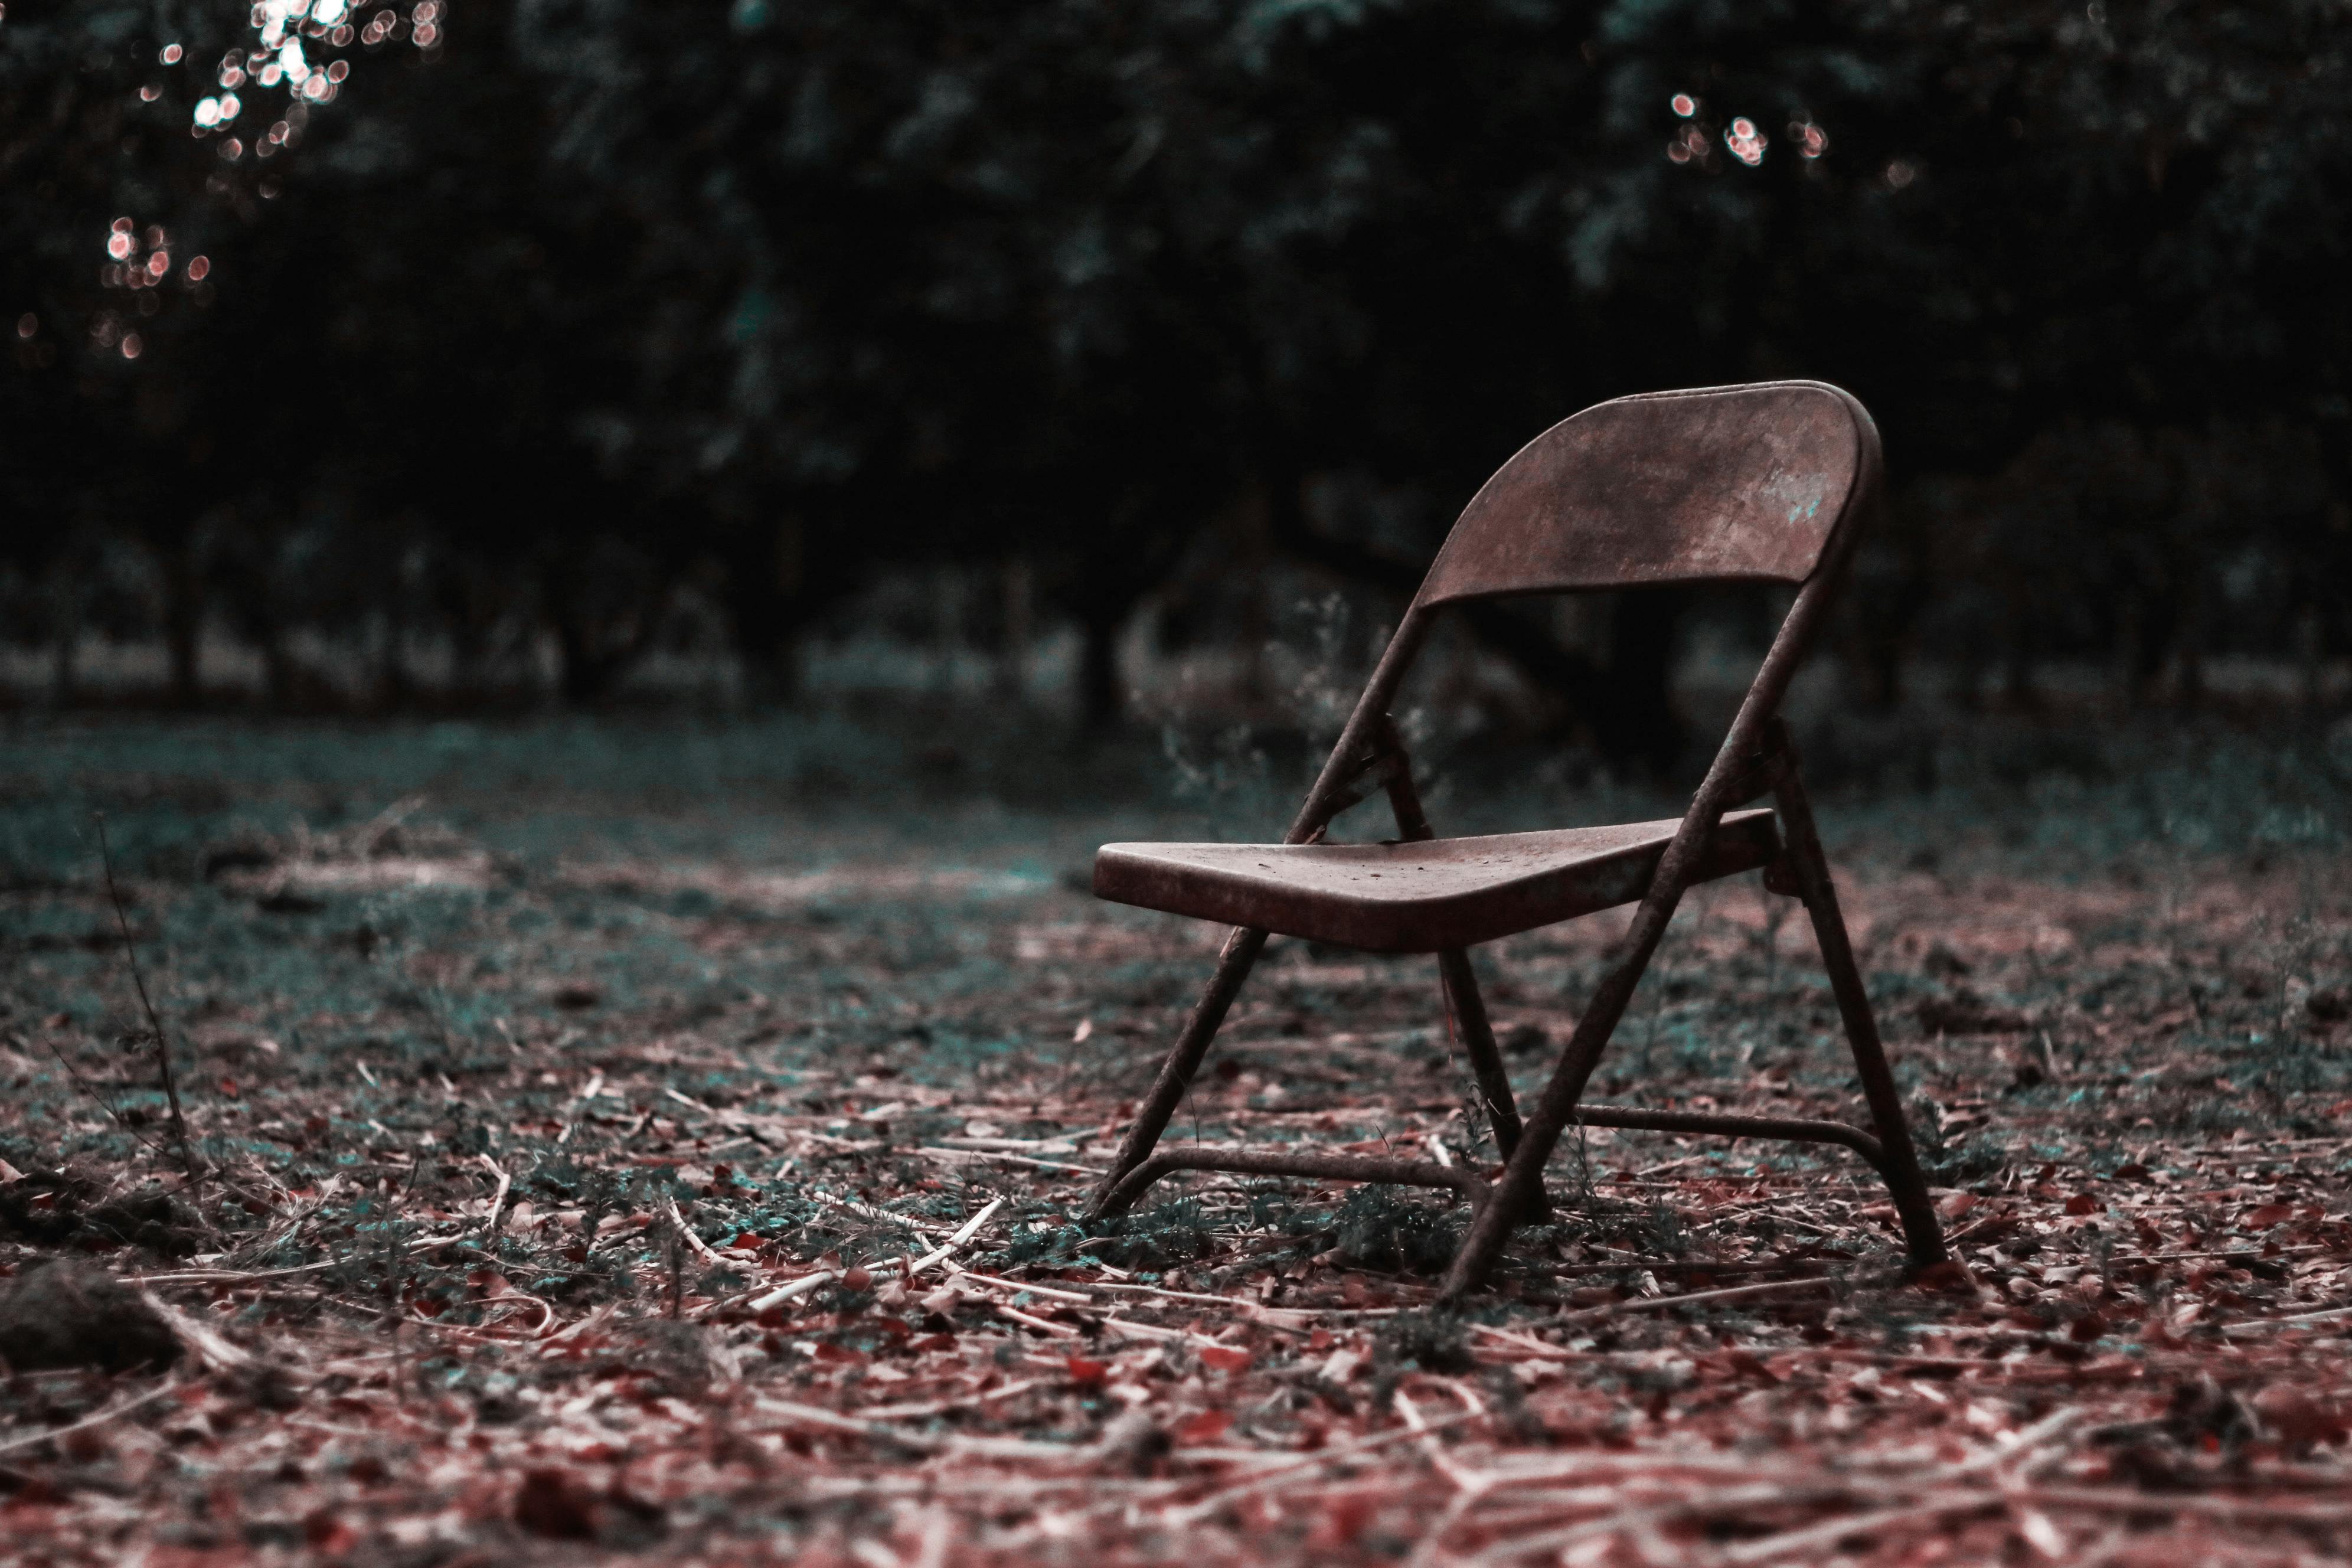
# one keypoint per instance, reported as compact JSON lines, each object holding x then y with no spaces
{"x":553,"y":305}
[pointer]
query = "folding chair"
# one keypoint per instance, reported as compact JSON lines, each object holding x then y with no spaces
{"x":1768,"y":482}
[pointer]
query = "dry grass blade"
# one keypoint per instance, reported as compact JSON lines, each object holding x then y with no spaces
{"x":115,"y":1411}
{"x":1813,"y":1539}
{"x":969,"y":1228}
{"x":205,"y":1343}
{"x":1724,"y":1297}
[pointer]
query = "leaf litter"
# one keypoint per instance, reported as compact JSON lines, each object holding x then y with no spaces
{"x":658,"y":1187}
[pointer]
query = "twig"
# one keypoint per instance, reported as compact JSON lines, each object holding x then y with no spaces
{"x":154,"y":1023}
{"x":2247,"y":1510}
{"x":959,"y":1402}
{"x":2021,"y":1441}
{"x":580,"y":1106}
{"x":800,"y":1287}
{"x":203,"y":1342}
{"x":1816,"y":1538}
{"x":1001,"y":1157}
{"x":866,"y":1210}
{"x":1224,"y":1497}
{"x":96,"y":1418}
{"x":693,"y":1240}
{"x":1130,"y":1328}
{"x":831,"y":1421}
{"x":1469,"y":1482}
{"x":1559,"y":1537}
{"x":2324,"y":1314}
{"x":498,"y":1198}
{"x":230,"y":1275}
{"x":971,"y":1228}
{"x":1019,"y":1286}
{"x":1014,"y":1314}
{"x":1698,"y":1299}
{"x":1528,"y":1342}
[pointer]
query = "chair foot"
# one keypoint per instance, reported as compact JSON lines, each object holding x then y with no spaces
{"x":1239,"y":955}
{"x":1923,"y":1233}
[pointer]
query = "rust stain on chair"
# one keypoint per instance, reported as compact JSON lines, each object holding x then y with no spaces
{"x":1418,"y":897}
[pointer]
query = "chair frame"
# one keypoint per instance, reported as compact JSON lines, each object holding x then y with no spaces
{"x":1756,"y":759}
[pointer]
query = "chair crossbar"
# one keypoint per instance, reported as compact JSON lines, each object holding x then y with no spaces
{"x":1786,"y":1129}
{"x":1121,"y":1197}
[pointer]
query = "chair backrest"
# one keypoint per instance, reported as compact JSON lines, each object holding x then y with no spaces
{"x":1720,"y":484}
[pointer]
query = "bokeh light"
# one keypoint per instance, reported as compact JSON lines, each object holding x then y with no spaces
{"x":1746,"y":142}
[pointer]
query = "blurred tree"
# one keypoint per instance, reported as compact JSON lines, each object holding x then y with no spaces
{"x":555,"y":305}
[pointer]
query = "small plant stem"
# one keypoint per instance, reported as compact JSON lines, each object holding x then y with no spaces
{"x":154,"y":1023}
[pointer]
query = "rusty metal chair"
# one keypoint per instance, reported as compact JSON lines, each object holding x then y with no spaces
{"x":1768,"y":482}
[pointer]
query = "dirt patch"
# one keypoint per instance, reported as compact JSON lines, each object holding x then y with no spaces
{"x":67,"y":1314}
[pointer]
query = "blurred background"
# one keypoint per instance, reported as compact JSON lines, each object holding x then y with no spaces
{"x":1120,"y":366}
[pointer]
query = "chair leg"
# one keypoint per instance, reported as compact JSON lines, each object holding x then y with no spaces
{"x":1233,"y":965}
{"x":1921,"y":1233}
{"x":1469,"y":1011}
{"x":1485,"y":1061}
{"x":1520,"y":1191}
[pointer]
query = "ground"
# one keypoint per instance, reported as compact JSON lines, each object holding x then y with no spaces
{"x":669,"y":1140}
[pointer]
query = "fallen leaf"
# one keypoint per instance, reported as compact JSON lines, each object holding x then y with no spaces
{"x":1203,"y":1426}
{"x":554,"y":1504}
{"x":327,"y":1534}
{"x":2294,"y":1415}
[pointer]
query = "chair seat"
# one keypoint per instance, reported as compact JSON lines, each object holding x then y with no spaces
{"x":1419,"y":897}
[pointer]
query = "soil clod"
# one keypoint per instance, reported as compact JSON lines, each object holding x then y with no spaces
{"x":67,"y":1314}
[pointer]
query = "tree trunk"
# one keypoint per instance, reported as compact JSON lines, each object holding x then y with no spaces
{"x":1102,"y":702}
{"x":765,"y":609}
{"x":2017,"y":672}
{"x":277,"y":682}
{"x":1019,"y":583}
{"x":64,"y":675}
{"x":392,"y":684}
{"x":184,"y":626}
{"x":583,"y":676}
